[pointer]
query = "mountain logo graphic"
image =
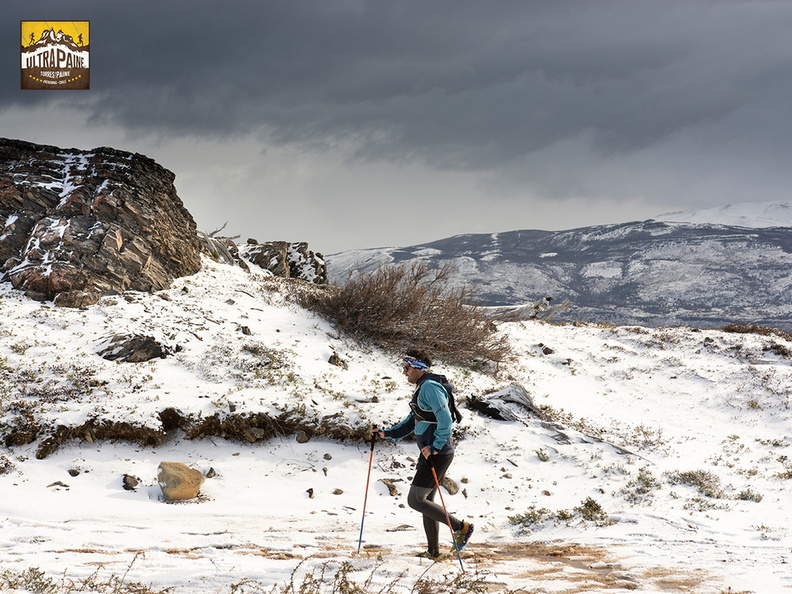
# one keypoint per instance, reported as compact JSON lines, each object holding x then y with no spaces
{"x":55,"y":55}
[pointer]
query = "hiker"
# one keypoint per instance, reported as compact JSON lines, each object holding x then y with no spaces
{"x":431,"y":419}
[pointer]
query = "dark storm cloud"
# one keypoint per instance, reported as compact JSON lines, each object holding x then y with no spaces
{"x":459,"y":84}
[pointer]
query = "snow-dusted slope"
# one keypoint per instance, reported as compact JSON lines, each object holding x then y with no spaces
{"x":742,"y":214}
{"x":680,"y":437}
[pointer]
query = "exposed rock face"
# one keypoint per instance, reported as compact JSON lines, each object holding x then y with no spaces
{"x":289,"y":260}
{"x":179,"y":481}
{"x":76,"y":225}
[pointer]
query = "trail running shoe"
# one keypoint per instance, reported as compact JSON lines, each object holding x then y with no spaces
{"x":462,"y":535}
{"x":434,"y":556}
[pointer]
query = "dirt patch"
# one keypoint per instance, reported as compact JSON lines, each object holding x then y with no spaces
{"x":581,"y":568}
{"x":571,"y":568}
{"x":669,"y":581}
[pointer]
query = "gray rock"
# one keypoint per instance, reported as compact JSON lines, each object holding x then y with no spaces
{"x":134,"y":348}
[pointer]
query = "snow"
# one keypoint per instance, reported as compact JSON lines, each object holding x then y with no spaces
{"x":741,"y":214}
{"x":632,"y":409}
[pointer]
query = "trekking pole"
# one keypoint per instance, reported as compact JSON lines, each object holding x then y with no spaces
{"x":365,"y":498}
{"x":445,"y":510}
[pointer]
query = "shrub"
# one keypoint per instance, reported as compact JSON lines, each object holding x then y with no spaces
{"x":534,"y":515}
{"x":591,"y":511}
{"x":707,"y":483}
{"x":399,"y":307}
{"x":749,"y":495}
{"x":640,"y":488}
{"x":30,"y":580}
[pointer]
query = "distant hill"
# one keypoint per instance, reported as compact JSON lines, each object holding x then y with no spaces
{"x":664,"y":271}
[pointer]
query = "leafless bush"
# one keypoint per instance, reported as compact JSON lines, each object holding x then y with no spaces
{"x":399,"y":307}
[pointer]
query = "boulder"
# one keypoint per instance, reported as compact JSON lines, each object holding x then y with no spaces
{"x":178,"y":481}
{"x":77,"y":225}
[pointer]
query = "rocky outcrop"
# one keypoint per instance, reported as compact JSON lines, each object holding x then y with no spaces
{"x":289,"y":260}
{"x":134,"y":348}
{"x":512,"y":403}
{"x":76,"y":225}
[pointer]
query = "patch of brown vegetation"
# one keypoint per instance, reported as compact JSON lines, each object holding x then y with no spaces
{"x":278,"y":555}
{"x":249,"y":428}
{"x":261,"y":427}
{"x":757,"y":329}
{"x":93,"y":430}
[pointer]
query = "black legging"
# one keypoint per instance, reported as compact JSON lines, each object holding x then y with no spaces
{"x":421,"y":498}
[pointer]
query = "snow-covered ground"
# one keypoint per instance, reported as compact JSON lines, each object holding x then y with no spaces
{"x":679,"y":437}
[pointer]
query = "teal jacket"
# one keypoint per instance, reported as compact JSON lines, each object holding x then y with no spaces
{"x":431,"y":397}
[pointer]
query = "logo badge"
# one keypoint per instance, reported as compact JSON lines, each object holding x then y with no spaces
{"x":55,"y":55}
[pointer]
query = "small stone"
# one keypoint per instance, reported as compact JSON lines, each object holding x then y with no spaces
{"x":302,"y":437}
{"x":211,"y":473}
{"x":393,"y":491}
{"x":450,"y":485}
{"x":328,"y":457}
{"x":338,"y":492}
{"x":337,"y":361}
{"x":130,"y":482}
{"x":310,"y":493}
{"x":74,"y":471}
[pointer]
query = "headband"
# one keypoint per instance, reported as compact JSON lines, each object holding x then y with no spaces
{"x":414,"y":363}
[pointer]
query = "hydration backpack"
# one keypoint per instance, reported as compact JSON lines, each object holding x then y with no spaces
{"x":428,"y":416}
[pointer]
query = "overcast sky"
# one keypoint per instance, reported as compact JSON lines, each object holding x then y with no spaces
{"x":360,"y":123}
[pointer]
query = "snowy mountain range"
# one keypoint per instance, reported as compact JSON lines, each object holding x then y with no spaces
{"x":705,"y":268}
